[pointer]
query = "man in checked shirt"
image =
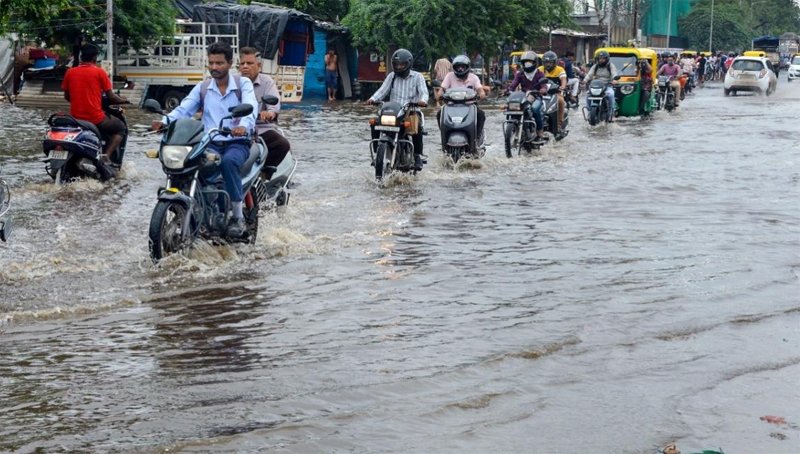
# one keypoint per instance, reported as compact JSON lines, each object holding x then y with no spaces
{"x":404,"y":86}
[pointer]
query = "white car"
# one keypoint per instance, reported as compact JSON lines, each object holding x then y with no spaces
{"x":751,"y":74}
{"x":794,"y":68}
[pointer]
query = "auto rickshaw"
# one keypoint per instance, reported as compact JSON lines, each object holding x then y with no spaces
{"x":629,"y":87}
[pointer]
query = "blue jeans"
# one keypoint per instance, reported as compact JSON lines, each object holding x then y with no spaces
{"x":234,"y":154}
{"x":538,"y":115}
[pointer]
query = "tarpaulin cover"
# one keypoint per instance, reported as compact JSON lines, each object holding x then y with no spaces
{"x":766,"y":41}
{"x":259,"y":26}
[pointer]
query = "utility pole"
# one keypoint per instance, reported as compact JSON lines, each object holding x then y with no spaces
{"x":110,"y":35}
{"x":711,"y":31}
{"x":635,"y":20}
{"x":669,"y":21}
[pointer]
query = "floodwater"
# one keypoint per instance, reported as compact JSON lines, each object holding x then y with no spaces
{"x":633,"y":285}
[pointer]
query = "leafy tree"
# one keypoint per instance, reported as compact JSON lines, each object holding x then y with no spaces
{"x":436,"y":27}
{"x":136,"y":22}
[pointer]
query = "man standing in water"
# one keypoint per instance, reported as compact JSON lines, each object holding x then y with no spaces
{"x":331,"y":74}
{"x":277,"y":145}
{"x":215,"y":96}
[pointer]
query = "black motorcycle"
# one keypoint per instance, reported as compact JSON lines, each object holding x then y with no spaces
{"x":194,"y":202}
{"x":597,"y":108}
{"x":5,"y":204}
{"x":394,"y":148}
{"x":550,"y":112}
{"x":459,"y":125}
{"x":519,"y":127}
{"x":73,"y":148}
{"x":665,"y":97}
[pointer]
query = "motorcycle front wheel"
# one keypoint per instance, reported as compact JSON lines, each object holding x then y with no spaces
{"x":382,"y":165}
{"x":251,"y":218}
{"x":510,"y":134}
{"x":167,"y":230}
{"x":594,"y":115}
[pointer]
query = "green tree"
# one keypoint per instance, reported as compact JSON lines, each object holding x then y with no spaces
{"x":436,"y":27}
{"x":732,"y":29}
{"x":136,"y":22}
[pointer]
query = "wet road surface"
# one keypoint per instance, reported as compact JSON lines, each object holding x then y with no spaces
{"x":629,"y":286}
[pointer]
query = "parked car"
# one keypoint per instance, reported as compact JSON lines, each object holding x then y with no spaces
{"x":794,"y":68}
{"x":751,"y":74}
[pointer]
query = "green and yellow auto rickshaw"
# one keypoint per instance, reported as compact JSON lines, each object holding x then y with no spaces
{"x":629,"y":85}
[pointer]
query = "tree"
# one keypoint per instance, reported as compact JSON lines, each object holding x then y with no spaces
{"x":437,"y":27}
{"x":136,"y":22}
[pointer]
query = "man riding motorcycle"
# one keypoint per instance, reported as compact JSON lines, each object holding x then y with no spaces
{"x":462,"y":77}
{"x":215,"y":97}
{"x":558,"y":75}
{"x":671,"y":69}
{"x":605,"y":71}
{"x":83,"y":87}
{"x":573,"y":82}
{"x":530,"y":78}
{"x":404,"y":86}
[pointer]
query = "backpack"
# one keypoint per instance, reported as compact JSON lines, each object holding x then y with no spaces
{"x":206,"y":83}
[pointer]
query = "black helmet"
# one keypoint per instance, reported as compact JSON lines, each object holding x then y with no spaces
{"x":528,"y":61}
{"x":601,"y":55}
{"x":666,"y":55}
{"x":461,"y":66}
{"x":550,"y":60}
{"x":401,"y":62}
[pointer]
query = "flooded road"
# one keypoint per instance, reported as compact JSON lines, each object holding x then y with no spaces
{"x":632,"y":285}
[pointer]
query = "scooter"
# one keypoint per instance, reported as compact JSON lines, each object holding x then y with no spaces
{"x":394,"y":148}
{"x":5,"y":204}
{"x":73,"y":148}
{"x":194,"y":204}
{"x":459,"y":125}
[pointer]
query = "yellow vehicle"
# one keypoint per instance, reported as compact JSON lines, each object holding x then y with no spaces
{"x":629,"y":87}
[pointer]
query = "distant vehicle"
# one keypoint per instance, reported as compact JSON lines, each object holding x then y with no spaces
{"x":794,"y":68}
{"x":751,"y":74}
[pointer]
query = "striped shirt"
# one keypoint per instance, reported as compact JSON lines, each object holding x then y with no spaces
{"x":404,"y":91}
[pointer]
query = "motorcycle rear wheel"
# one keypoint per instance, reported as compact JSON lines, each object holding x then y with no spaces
{"x":166,"y":230}
{"x":510,"y":134}
{"x":382,"y":167}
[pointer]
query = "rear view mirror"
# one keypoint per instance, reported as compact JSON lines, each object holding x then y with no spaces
{"x":153,"y":106}
{"x":436,"y":83}
{"x":242,"y":110}
{"x":270,"y":100}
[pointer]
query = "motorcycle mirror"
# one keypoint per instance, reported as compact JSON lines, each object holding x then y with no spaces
{"x":617,"y":77}
{"x":436,"y":83}
{"x":242,"y":110}
{"x":270,"y":100}
{"x":152,"y":106}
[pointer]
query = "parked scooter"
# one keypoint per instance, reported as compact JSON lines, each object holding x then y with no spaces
{"x":394,"y":147}
{"x":5,"y":204}
{"x":194,"y":202}
{"x":519,"y":127}
{"x":459,"y":125}
{"x":73,"y":148}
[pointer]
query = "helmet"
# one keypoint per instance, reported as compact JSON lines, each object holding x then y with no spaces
{"x":603,"y":54}
{"x":528,"y":61}
{"x":401,"y":62}
{"x":461,"y":65}
{"x":550,"y":59}
{"x":666,"y":55}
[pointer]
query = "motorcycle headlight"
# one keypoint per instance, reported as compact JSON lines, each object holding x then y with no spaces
{"x":173,"y":155}
{"x":596,"y":91}
{"x":514,"y":106}
{"x":626,"y":89}
{"x":388,"y":120}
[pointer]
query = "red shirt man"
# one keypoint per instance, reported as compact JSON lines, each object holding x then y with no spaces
{"x":84,"y":87}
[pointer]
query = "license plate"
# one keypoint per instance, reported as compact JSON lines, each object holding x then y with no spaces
{"x":58,"y":154}
{"x":388,"y":128}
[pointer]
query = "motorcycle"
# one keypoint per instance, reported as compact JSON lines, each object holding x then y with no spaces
{"x":666,"y":94}
{"x":394,"y":148}
{"x":459,"y":125}
{"x":73,"y":148}
{"x":550,"y":112}
{"x":194,"y":203}
{"x":519,"y":127}
{"x":5,"y":204}
{"x":597,"y":108}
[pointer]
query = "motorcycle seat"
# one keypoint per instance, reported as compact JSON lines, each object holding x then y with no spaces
{"x":251,"y":159}
{"x":67,"y":121}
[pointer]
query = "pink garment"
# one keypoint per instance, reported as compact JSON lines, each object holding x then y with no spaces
{"x":451,"y":81}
